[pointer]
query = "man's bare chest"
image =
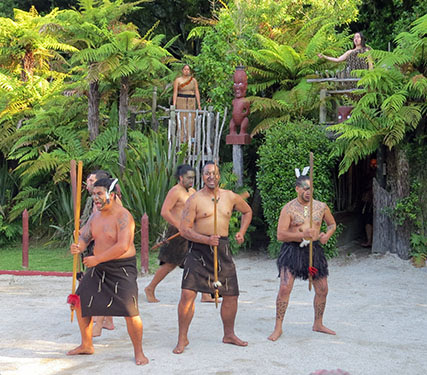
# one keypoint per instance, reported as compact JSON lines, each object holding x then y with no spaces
{"x":105,"y":231}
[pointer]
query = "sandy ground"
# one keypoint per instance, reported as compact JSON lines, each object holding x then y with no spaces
{"x":377,"y":305}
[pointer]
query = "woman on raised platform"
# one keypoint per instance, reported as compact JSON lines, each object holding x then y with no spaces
{"x":351,"y":57}
{"x":185,"y":96}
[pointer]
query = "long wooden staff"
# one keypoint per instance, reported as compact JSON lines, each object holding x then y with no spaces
{"x":76,"y":231}
{"x":310,"y":256}
{"x":166,"y":240}
{"x":217,"y":284}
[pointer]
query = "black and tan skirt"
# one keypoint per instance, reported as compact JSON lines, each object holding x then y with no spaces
{"x":110,"y":289}
{"x":175,"y":250}
{"x":198,"y":272}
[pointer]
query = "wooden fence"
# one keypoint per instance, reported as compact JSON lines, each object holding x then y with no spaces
{"x":205,"y":144}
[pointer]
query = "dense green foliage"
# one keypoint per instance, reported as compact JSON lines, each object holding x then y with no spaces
{"x":287,"y":146}
{"x":393,"y":113}
{"x":69,"y":76}
{"x":148,"y":176}
{"x":382,"y":21}
{"x":49,"y":65}
{"x":394,"y":99}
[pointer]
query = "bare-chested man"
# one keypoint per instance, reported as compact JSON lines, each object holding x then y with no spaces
{"x":99,"y":322}
{"x":108,"y":287}
{"x":197,"y":225}
{"x":293,"y":228}
{"x":173,"y":253}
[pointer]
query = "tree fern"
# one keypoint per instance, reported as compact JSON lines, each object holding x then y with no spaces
{"x":393,"y":102}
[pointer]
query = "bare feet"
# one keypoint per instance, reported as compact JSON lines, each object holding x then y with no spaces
{"x":82,"y":350}
{"x":275,"y":335}
{"x":108,"y":323}
{"x":149,"y":293}
{"x":323,"y":329}
{"x":234,"y":340}
{"x":141,"y":359}
{"x":179,"y":348}
{"x":97,"y":330}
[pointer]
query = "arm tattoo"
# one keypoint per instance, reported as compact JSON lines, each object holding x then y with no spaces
{"x":331,"y":227}
{"x":123,"y":221}
{"x":86,"y":236}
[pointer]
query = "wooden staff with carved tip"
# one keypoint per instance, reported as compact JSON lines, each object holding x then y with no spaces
{"x":310,"y":256}
{"x":216,"y":284}
{"x":72,"y":298}
{"x":166,"y":240}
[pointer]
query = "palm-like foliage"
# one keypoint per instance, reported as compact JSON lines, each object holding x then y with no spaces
{"x":148,"y":178}
{"x":30,"y":58}
{"x":278,"y":72}
{"x":126,"y":55}
{"x":394,"y":101}
{"x":29,"y":43}
{"x":89,"y":29}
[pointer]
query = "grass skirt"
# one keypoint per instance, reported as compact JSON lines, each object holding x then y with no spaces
{"x":294,"y":258}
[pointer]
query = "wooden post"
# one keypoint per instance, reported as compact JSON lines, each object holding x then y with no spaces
{"x":238,"y":164}
{"x":154,"y":122}
{"x":144,"y":244}
{"x":25,"y":239}
{"x":322,"y":108}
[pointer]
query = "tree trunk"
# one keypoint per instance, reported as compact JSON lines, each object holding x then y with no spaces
{"x":123,"y":122}
{"x":27,"y":65}
{"x":93,"y":110}
{"x":387,"y":235}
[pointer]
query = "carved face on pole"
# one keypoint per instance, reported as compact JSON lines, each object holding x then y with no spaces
{"x":240,"y":83}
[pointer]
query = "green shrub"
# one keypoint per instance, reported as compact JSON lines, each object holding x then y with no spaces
{"x":229,"y":181}
{"x":287,"y":146}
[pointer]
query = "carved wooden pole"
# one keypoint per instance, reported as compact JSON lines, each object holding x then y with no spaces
{"x":239,"y":122}
{"x":25,"y":239}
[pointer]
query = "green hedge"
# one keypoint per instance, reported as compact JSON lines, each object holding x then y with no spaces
{"x":287,"y":146}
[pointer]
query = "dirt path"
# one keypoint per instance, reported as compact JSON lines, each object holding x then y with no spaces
{"x":377,"y":305}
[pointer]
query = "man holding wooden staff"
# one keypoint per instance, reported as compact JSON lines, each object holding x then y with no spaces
{"x":293,"y":261}
{"x":100,"y":322}
{"x":108,"y":287}
{"x":172,"y":253}
{"x":198,"y":226}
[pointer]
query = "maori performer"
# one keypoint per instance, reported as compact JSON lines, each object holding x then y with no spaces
{"x":197,"y":225}
{"x":293,"y":261}
{"x":100,"y":322}
{"x":108,"y":287}
{"x":185,"y":95}
{"x":173,"y":252}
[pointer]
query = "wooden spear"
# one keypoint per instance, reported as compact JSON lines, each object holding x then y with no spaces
{"x":76,"y":226}
{"x":310,"y":256}
{"x":166,"y":240}
{"x":216,"y":282}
